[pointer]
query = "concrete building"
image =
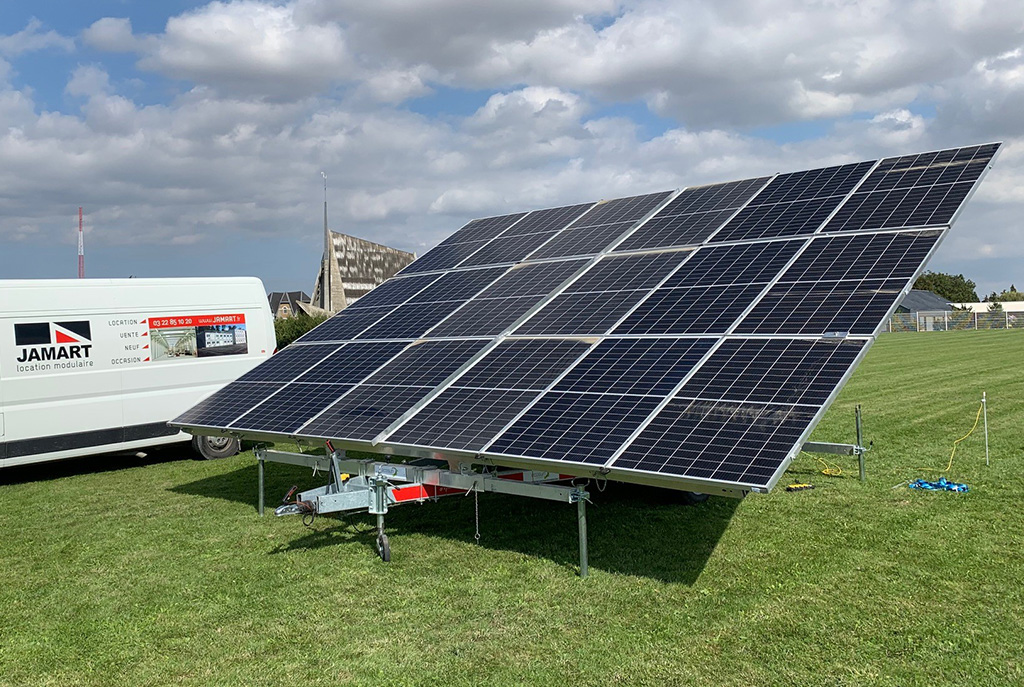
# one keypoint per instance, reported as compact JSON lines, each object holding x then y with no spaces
{"x":350,"y":268}
{"x":357,"y":266}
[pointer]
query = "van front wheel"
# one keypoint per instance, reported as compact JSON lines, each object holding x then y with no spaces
{"x":212,"y":448}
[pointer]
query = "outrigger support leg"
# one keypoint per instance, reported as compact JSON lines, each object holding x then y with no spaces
{"x":581,"y":519}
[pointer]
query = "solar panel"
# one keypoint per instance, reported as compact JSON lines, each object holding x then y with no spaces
{"x":687,"y":339}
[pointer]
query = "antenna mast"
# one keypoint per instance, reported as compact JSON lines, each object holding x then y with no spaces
{"x":81,"y":247}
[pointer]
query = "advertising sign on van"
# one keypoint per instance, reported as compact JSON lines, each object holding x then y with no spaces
{"x":125,"y":341}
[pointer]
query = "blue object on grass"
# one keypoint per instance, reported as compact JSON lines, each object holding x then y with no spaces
{"x":942,"y":485}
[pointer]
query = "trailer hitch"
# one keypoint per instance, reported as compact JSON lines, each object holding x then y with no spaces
{"x":289,"y":507}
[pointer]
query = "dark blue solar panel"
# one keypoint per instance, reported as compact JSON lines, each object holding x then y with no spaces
{"x":585,"y":241}
{"x":352,"y":363}
{"x":523,"y":364}
{"x":698,"y":310}
{"x":394,"y":291}
{"x":631,"y":209}
{"x":538,"y":279}
{"x":291,"y":407}
{"x":345,"y":325}
{"x":507,"y":250}
{"x":561,"y":426}
{"x":627,"y":273}
{"x":484,"y":317}
{"x":752,"y":263}
{"x":458,"y":286}
{"x":364,"y":412}
{"x":410,"y":321}
{"x":464,"y":419}
{"x":718,"y":440}
{"x":547,"y":220}
{"x":635,"y":366}
{"x":427,"y":364}
{"x":580,"y":314}
{"x":289,"y":363}
{"x":790,"y":371}
{"x":483,"y":229}
{"x":220,"y":409}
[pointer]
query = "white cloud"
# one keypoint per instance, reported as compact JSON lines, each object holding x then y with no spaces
{"x":32,"y":38}
{"x":112,"y":34}
{"x":275,"y":92}
{"x":88,"y":80}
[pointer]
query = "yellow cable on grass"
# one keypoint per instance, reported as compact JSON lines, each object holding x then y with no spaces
{"x":956,"y":443}
{"x":831,"y":470}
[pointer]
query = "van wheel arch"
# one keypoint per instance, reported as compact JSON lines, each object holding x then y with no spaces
{"x":212,"y":448}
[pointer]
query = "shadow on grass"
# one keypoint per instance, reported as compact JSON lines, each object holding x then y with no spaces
{"x":105,"y":462}
{"x":633,"y":530}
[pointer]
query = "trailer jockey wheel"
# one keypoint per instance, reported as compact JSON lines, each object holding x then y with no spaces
{"x":212,"y":448}
{"x":383,"y":547}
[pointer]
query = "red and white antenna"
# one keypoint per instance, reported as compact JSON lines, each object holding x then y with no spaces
{"x":81,"y":247}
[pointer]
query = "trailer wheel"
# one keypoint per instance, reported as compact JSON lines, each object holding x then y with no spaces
{"x":383,"y":548}
{"x":692,"y":498}
{"x":212,"y":448}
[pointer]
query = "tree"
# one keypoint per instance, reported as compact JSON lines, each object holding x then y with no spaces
{"x":953,"y":287}
{"x":1007,"y":295}
{"x":995,"y":306}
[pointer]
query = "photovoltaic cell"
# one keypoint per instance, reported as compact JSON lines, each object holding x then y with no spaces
{"x":698,"y":310}
{"x":635,"y":366}
{"x":463,"y":419}
{"x":221,"y":408}
{"x":583,"y":241}
{"x":627,"y":273}
{"x":457,"y":286}
{"x":410,"y":321}
{"x":483,"y":229}
{"x":693,"y":215}
{"x":345,"y":325}
{"x":784,"y":371}
{"x":537,"y":279}
{"x":364,"y":412}
{"x":676,"y":230}
{"x":289,"y":363}
{"x":752,"y":263}
{"x":523,"y":364}
{"x":484,"y":317}
{"x":561,"y":426}
{"x":291,"y":407}
{"x":394,"y":292}
{"x":427,"y":364}
{"x":794,"y":204}
{"x":841,"y":284}
{"x":443,"y":257}
{"x":507,"y":250}
{"x":914,"y":190}
{"x":580,"y":314}
{"x":631,"y":209}
{"x":352,"y":363}
{"x":719,"y":440}
{"x":547,"y":220}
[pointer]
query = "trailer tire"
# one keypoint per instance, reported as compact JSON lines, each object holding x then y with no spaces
{"x":692,"y":498}
{"x":212,"y":448}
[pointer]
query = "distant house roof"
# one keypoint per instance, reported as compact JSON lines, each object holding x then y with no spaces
{"x":290,"y":298}
{"x":922,"y":301}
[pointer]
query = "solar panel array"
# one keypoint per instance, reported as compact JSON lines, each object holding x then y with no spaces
{"x":690,"y":339}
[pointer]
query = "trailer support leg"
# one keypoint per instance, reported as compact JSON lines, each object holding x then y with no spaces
{"x":259,"y":470}
{"x":860,"y":443}
{"x":581,"y":519}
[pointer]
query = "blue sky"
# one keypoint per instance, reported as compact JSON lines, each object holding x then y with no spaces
{"x":194,"y":133}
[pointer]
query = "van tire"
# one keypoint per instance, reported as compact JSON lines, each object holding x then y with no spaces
{"x":212,"y":448}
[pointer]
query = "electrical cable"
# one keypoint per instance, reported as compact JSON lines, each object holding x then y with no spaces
{"x":956,"y":443}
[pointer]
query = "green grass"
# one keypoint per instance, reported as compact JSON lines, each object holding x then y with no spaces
{"x":112,"y":572}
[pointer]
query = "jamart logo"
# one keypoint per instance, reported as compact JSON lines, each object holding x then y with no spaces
{"x":53,"y":341}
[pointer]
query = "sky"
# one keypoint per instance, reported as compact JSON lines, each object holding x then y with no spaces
{"x":194,"y":134}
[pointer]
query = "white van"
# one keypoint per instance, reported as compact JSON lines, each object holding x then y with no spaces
{"x":96,"y":365}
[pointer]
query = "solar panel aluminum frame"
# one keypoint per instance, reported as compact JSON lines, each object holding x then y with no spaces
{"x":633,"y":475}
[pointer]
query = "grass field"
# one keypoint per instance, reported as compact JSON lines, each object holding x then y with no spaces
{"x":112,"y":572}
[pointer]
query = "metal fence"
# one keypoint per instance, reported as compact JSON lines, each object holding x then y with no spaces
{"x":951,"y":320}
